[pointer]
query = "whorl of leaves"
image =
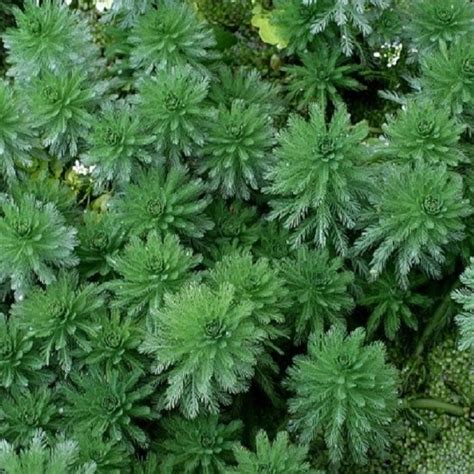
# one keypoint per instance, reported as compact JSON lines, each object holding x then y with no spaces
{"x":61,"y":106}
{"x":117,"y":144}
{"x":61,"y":317}
{"x":42,"y":457}
{"x":165,"y":202}
{"x":99,"y":238}
{"x":344,"y":391}
{"x":25,"y":411}
{"x":171,"y":35}
{"x":248,"y":86}
{"x":49,"y":38}
{"x":205,"y":343}
{"x":172,"y":102}
{"x":317,"y":182}
{"x":422,"y":132}
{"x":238,"y":150}
{"x":108,"y":406}
{"x":435,"y":23}
{"x":35,"y":241}
{"x":321,"y":76}
{"x":277,"y":457}
{"x":204,"y":444}
{"x":17,"y":135}
{"x":253,"y":280}
{"x":318,"y":289}
{"x":448,"y":77}
{"x":390,"y":305}
{"x":148,"y":269}
{"x":420,"y":212}
{"x":20,"y":363}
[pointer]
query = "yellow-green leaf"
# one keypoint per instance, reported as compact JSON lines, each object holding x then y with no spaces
{"x":269,"y":32}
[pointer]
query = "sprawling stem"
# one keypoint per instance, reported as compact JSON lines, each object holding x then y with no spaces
{"x":435,"y":405}
{"x":438,"y":320}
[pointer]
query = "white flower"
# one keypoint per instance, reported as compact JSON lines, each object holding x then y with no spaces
{"x":102,"y":5}
{"x":81,"y":169}
{"x":391,"y":52}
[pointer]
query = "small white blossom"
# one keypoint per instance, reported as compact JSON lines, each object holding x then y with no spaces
{"x":102,"y":5}
{"x":81,"y":169}
{"x":391,"y":52}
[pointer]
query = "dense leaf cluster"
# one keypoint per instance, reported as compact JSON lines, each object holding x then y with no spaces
{"x":230,"y":234}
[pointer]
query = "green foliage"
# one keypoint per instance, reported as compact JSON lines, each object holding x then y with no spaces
{"x":203,"y":445}
{"x":47,"y":190}
{"x":321,"y":75}
{"x":108,"y":456}
{"x":35,"y":241}
{"x":38,"y":458}
{"x":390,"y":305}
{"x":351,"y":17}
{"x":124,"y":13}
{"x":23,"y":412}
{"x":277,"y":457}
{"x":164,"y":201}
{"x":6,"y":14}
{"x":421,"y":132}
{"x":108,"y":406}
{"x":448,"y":77}
{"x":253,"y":281}
{"x":17,"y":136}
{"x":49,"y":38}
{"x":317,"y":181}
{"x":273,"y":242}
{"x":301,"y":20}
{"x":148,"y":465}
{"x":318,"y":291}
{"x":465,"y":319}
{"x":346,"y":391}
{"x":60,"y":105}
{"x":420,"y":212}
{"x":118,"y":144}
{"x":172,"y":102}
{"x":434,"y":22}
{"x":148,"y":270}
{"x":115,"y":344}
{"x":20,"y":363}
{"x":237,"y":150}
{"x":247,"y":86}
{"x":236,"y":227}
{"x":99,"y":238}
{"x":294,"y":19}
{"x":206,"y":344}
{"x":186,"y":209}
{"x":62,"y":316}
{"x":171,"y":35}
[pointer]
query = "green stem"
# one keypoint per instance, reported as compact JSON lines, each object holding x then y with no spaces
{"x":438,"y":320}
{"x":436,"y":405}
